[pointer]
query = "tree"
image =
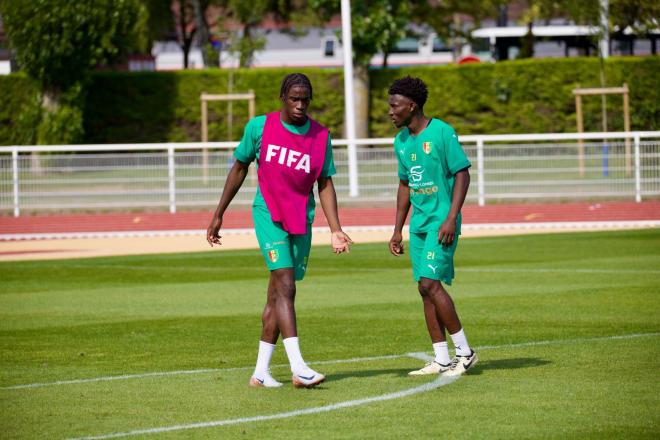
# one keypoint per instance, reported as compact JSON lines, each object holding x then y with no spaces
{"x":58,"y":43}
{"x":376,"y":25}
{"x":447,"y":18}
{"x":640,"y":15}
{"x":186,"y":28}
{"x":250,"y":14}
{"x":160,"y":22}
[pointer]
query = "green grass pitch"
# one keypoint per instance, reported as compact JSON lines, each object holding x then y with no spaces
{"x":567,"y":327}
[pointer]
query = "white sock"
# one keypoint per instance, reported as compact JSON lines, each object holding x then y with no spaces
{"x":441,"y":352}
{"x":263,"y":359}
{"x":293,"y":353}
{"x":461,"y":344}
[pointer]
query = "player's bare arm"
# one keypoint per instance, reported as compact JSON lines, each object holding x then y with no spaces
{"x":447,"y":232}
{"x":234,"y":181}
{"x":328,"y":197}
{"x":402,"y":208}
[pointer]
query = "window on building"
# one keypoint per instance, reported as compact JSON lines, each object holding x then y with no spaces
{"x":440,"y":45}
{"x":406,"y":45}
{"x":329,"y":48}
{"x":480,"y":45}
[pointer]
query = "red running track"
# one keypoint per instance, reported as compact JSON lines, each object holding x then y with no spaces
{"x":237,"y":218}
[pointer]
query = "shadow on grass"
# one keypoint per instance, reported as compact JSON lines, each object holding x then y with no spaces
{"x":507,"y":364}
{"x":498,"y":364}
{"x":399,"y":372}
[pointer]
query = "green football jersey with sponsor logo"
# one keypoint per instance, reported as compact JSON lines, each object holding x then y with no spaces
{"x":429,"y":162}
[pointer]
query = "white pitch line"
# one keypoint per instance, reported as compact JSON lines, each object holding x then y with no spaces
{"x":184,"y":372}
{"x":437,"y":383}
{"x":417,"y":355}
{"x":421,"y":356}
{"x":122,"y":377}
{"x":216,"y":270}
{"x":558,"y":270}
{"x":567,"y":341}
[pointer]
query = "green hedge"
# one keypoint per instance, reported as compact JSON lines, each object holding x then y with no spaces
{"x":528,"y":96}
{"x":165,"y":106}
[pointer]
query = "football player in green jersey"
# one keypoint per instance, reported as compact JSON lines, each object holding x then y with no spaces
{"x":434,"y":179}
{"x":285,"y":253}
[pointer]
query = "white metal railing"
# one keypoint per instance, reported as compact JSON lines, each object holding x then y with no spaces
{"x":564,"y":166}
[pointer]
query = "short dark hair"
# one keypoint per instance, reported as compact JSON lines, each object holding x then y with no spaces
{"x":295,"y":79}
{"x":413,"y":88}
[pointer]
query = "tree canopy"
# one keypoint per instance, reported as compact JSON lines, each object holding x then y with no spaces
{"x":58,"y":42}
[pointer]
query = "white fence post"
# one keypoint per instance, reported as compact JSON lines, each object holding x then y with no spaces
{"x":171,"y":175}
{"x":480,"y":172}
{"x":638,"y":171}
{"x":14,"y":166}
{"x":354,"y":189}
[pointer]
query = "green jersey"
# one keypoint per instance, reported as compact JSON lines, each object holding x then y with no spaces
{"x":250,"y":146}
{"x":429,"y":163}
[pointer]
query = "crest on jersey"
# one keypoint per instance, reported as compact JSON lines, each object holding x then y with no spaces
{"x":427,"y":147}
{"x":274,"y":255}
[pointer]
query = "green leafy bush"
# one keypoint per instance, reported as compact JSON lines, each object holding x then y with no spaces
{"x":526,"y":96}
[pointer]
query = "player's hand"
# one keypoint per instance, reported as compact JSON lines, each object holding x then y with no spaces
{"x":213,"y":231}
{"x":340,"y":242}
{"x":447,"y":232}
{"x":396,"y":244}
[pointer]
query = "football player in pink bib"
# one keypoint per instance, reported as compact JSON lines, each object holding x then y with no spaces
{"x":292,"y":152}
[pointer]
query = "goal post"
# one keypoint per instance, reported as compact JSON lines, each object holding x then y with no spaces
{"x":579,"y":93}
{"x":205,"y":98}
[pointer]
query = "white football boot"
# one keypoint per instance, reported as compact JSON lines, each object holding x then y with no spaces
{"x":432,"y":367}
{"x":460,"y":364}
{"x":307,"y":378}
{"x":264,"y":381}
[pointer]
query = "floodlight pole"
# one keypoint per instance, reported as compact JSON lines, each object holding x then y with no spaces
{"x":349,"y":101}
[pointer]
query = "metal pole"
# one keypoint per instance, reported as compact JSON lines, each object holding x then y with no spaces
{"x":349,"y":101}
{"x":480,"y":172}
{"x":638,"y":171}
{"x":604,"y":29}
{"x":171,"y":177}
{"x":14,"y":166}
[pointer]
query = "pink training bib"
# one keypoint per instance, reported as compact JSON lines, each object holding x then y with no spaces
{"x":289,"y":164}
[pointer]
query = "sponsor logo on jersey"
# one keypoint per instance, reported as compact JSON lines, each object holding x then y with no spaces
{"x":288,"y":157}
{"x":427,"y":146}
{"x":416,"y":173}
{"x":274,"y":255}
{"x":425,"y":191}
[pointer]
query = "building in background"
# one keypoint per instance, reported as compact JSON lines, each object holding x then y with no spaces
{"x":559,"y":40}
{"x":499,"y":38}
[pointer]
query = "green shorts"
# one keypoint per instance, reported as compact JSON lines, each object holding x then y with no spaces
{"x":279,"y":248}
{"x":431,"y":259}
